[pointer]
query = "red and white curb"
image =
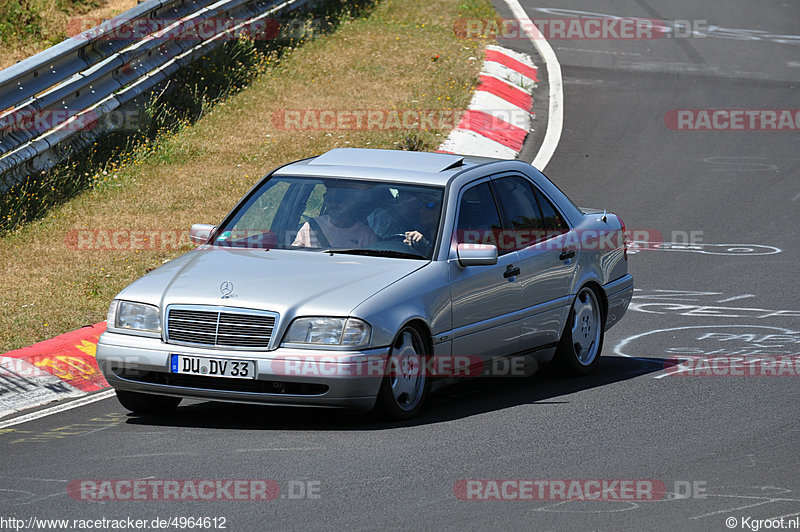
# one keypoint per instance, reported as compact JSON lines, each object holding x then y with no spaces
{"x":499,"y":116}
{"x":58,"y":368}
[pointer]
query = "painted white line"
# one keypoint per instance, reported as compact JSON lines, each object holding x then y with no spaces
{"x":555,"y":116}
{"x":586,"y":50}
{"x":265,"y":449}
{"x":150,"y":455}
{"x":735,"y":298}
{"x":787,"y":516}
{"x":58,"y":408}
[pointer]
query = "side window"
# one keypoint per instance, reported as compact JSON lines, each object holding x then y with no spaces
{"x":518,"y":202}
{"x":259,"y":216}
{"x":554,"y":224}
{"x":478,"y":220}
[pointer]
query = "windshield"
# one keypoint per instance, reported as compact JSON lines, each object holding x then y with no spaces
{"x":339,"y":216}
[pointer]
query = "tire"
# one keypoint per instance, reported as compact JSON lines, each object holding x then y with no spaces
{"x":406,"y":383}
{"x":145,"y":403}
{"x":578,"y":351}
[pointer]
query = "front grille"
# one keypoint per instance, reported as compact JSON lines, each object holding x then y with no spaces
{"x":220,"y":328}
{"x":200,"y":382}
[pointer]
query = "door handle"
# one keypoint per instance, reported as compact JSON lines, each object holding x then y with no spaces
{"x":567,"y":254}
{"x":511,"y":271}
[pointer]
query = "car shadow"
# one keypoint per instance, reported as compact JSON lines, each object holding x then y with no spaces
{"x":468,"y":398}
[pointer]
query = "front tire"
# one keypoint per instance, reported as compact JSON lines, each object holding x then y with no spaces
{"x":578,"y":351}
{"x":145,"y":403}
{"x":406,"y":382}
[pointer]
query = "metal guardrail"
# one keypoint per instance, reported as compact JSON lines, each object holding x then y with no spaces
{"x":47,"y":98}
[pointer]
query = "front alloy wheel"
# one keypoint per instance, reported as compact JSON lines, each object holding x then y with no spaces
{"x":582,"y":340}
{"x":405,"y":383}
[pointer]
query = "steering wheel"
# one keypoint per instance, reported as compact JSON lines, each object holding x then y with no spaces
{"x":422,"y":244}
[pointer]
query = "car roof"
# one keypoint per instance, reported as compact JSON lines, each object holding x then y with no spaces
{"x":424,"y":168}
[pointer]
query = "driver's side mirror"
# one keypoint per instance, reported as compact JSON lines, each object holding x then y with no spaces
{"x":200,"y":233}
{"x":477,"y":254}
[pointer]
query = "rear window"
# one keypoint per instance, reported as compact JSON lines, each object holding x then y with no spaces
{"x":553,"y":221}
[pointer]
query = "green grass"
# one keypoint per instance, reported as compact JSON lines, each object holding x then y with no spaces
{"x":37,"y":20}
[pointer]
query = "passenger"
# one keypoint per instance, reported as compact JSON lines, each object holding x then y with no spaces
{"x":341,"y":225}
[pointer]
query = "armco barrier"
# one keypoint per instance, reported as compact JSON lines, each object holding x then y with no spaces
{"x":95,"y":72}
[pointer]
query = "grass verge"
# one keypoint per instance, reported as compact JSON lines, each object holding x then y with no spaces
{"x":402,"y":55}
{"x":29,"y":26}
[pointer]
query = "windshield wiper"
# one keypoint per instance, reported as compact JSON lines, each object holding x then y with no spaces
{"x":375,"y":252}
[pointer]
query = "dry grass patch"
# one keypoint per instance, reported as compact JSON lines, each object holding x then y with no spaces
{"x":29,"y":26}
{"x":382,"y":61}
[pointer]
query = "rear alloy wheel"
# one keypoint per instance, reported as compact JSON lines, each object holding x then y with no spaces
{"x":406,"y":383}
{"x":579,"y":349}
{"x":145,"y":403}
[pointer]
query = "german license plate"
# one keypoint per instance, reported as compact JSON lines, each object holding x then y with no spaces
{"x":213,"y":367}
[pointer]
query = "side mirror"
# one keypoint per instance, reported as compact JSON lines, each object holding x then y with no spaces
{"x":477,"y":254}
{"x":200,"y":233}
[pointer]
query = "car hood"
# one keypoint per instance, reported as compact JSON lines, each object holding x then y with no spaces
{"x":290,"y":282}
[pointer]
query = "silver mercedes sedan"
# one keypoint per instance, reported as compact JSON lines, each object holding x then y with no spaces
{"x":366,"y":279}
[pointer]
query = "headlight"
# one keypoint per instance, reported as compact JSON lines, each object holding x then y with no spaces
{"x":329,"y":331}
{"x":134,"y":317}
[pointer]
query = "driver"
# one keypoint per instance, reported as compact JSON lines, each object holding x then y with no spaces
{"x":427,"y":209}
{"x":340,"y":226}
{"x":414,"y":218}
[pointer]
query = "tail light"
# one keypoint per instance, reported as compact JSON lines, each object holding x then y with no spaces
{"x":624,"y":238}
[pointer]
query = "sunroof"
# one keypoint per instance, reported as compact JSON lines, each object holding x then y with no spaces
{"x":400,"y":160}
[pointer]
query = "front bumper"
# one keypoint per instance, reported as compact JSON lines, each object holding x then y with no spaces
{"x":284,"y":376}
